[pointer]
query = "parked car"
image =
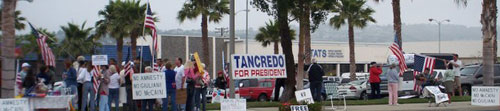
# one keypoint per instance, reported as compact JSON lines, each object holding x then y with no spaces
{"x":354,"y":89}
{"x":473,"y":75}
{"x":260,"y":90}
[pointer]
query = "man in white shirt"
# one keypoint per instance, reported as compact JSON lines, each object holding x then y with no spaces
{"x":179,"y":76}
{"x":180,"y":79}
{"x":457,"y":65}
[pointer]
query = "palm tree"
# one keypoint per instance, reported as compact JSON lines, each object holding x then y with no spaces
{"x":354,"y":14}
{"x":77,"y":42}
{"x":489,"y":21}
{"x":19,"y":20}
{"x":7,"y":47}
{"x":113,"y":24}
{"x":270,"y":34}
{"x":210,"y":11}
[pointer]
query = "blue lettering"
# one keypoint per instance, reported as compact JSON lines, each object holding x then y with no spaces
{"x":281,"y":61}
{"x":236,"y":58}
{"x":324,"y":53}
{"x":275,"y":61}
{"x":250,"y":62}
{"x":257,"y":61}
{"x":243,"y":62}
{"x":269,"y":61}
{"x":263,"y":61}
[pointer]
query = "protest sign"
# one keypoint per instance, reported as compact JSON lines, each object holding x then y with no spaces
{"x":14,"y":104}
{"x":148,"y":86}
{"x":198,"y":63}
{"x":439,"y":96}
{"x":246,"y":66}
{"x":233,"y":105}
{"x":304,"y":95}
{"x":299,"y":108}
{"x":99,"y":60}
{"x":485,"y":96}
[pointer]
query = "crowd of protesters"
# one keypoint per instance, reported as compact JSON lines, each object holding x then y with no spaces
{"x":186,"y":86}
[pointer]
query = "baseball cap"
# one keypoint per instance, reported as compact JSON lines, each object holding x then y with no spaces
{"x":25,"y":65}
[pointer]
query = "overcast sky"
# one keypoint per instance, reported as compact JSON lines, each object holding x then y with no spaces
{"x":52,"y":14}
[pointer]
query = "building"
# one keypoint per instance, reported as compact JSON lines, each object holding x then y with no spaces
{"x":333,"y":56}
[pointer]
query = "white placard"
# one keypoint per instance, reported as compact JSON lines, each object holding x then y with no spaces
{"x":485,"y":96}
{"x":233,"y":105}
{"x":439,"y":96}
{"x":245,"y":66}
{"x":148,"y":86}
{"x":299,"y":108}
{"x":304,"y":95}
{"x":99,"y":60}
{"x":14,"y":104}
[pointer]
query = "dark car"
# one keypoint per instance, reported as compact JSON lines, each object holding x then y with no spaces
{"x":472,"y":75}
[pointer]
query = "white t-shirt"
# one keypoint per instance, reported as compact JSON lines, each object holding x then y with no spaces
{"x":179,"y":74}
{"x":456,"y":70}
{"x":83,"y":75}
{"x":114,"y":81}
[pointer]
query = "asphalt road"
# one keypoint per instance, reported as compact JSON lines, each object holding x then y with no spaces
{"x":456,"y":106}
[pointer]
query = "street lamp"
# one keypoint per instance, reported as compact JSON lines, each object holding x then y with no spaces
{"x":439,"y":30}
{"x":246,"y":27}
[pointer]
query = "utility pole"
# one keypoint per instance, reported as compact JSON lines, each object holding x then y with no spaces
{"x":221,"y":30}
{"x":439,"y":22}
{"x":246,"y":30}
{"x":231,"y":40}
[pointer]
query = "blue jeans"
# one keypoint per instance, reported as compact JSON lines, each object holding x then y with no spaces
{"x":73,"y":91}
{"x":147,"y":103}
{"x":103,"y":103}
{"x":171,"y":94}
{"x":114,"y":96}
{"x":88,"y":89}
{"x":203,"y":93}
{"x":190,"y":98}
{"x":316,"y":90}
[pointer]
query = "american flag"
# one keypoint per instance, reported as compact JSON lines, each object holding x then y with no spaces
{"x":45,"y":50}
{"x":421,"y":63}
{"x":157,"y":68}
{"x":128,"y":68}
{"x":95,"y":74}
{"x":150,"y":23}
{"x":19,"y":83}
{"x":398,"y":52}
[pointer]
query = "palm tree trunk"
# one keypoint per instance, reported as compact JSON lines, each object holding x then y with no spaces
{"x":133,"y":44}
{"x":300,"y":64}
{"x":307,"y":34}
{"x":352,"y":57}
{"x":489,"y":21}
{"x":204,"y":40}
{"x":286,"y":45}
{"x":8,"y":44}
{"x":119,"y":50}
{"x":276,"y":47}
{"x":397,"y":20}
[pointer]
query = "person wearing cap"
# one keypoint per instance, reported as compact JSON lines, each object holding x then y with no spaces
{"x":315,"y":73}
{"x":393,"y":80}
{"x":24,"y":71}
{"x":201,"y":83}
{"x":375,"y":71}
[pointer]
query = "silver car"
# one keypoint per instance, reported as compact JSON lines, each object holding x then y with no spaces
{"x":354,"y":89}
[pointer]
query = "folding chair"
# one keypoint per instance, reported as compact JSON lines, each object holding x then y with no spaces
{"x":332,"y":93}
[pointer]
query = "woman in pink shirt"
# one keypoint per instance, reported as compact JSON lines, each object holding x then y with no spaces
{"x":202,"y":81}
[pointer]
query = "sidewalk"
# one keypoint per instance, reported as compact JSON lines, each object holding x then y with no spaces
{"x":456,"y":106}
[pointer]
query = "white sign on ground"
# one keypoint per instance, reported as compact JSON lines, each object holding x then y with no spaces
{"x":233,"y":105}
{"x":245,"y":66}
{"x":99,"y":60}
{"x":304,"y":95}
{"x":439,"y":97}
{"x":299,"y":108}
{"x":148,"y":86}
{"x":14,"y":104}
{"x":485,"y":96}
